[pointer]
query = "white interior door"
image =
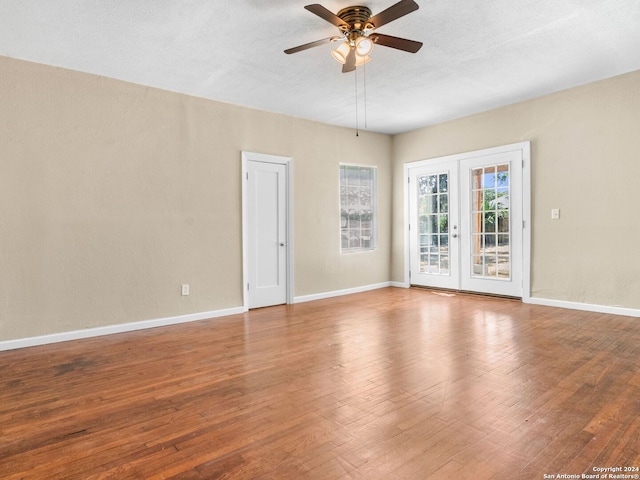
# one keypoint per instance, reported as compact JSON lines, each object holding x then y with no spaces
{"x":266,"y":196}
{"x":466,"y":222}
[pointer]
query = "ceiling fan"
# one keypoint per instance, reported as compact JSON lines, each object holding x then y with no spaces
{"x":356,"y":25}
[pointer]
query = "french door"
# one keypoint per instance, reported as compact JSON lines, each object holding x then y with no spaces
{"x":466,"y":222}
{"x":433,"y":228}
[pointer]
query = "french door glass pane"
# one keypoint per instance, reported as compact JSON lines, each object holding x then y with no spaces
{"x":490,"y":227}
{"x":433,"y":220}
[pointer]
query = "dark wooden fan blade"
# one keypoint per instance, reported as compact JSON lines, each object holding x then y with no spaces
{"x":396,"y":42}
{"x":306,"y":46}
{"x":350,"y":64}
{"x":325,"y":14}
{"x":394,"y":12}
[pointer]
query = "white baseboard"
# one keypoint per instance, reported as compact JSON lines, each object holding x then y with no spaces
{"x":161,"y":322}
{"x":338,"y":293}
{"x":111,"y":329}
{"x":588,"y":307}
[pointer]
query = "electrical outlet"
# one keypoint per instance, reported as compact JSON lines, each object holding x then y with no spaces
{"x":185,"y":289}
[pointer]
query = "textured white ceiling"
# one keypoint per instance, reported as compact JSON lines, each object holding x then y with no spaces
{"x":477,"y":54}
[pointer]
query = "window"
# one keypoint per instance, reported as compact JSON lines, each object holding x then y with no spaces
{"x":357,"y":208}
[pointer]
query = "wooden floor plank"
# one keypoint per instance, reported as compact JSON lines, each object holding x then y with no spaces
{"x":394,"y":383}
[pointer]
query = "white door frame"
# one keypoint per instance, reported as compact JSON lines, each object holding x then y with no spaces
{"x":286,"y":161}
{"x":525,"y":148}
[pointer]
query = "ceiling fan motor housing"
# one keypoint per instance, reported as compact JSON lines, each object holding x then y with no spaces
{"x":356,"y":17}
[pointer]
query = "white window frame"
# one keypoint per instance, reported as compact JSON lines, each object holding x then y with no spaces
{"x":374,"y":213}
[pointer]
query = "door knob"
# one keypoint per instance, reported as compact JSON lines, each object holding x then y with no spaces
{"x":282,"y":244}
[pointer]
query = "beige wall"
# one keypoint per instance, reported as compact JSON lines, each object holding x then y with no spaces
{"x":115,"y":194}
{"x":585,"y":145}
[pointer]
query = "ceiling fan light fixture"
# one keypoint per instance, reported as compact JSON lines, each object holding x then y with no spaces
{"x":340,"y":53}
{"x":364,"y":46}
{"x":362,"y":60}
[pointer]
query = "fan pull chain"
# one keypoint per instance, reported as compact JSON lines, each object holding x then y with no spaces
{"x":364,"y":77}
{"x":364,"y":80}
{"x":355,"y":75}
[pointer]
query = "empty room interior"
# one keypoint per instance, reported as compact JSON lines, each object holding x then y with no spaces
{"x":273,"y":240}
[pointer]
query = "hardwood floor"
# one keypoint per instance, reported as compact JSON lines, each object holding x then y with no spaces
{"x":388,"y":384}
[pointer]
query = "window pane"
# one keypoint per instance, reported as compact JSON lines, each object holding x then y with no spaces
{"x":491,"y":266}
{"x":503,"y":241}
{"x":503,"y":175}
{"x":503,"y":221}
{"x":444,"y":264}
{"x":444,"y":183}
{"x":489,"y":243}
{"x":476,"y":179}
{"x":477,"y":265}
{"x":489,"y":177}
{"x":354,"y":219}
{"x":444,"y":203}
{"x":433,"y":224}
{"x":476,"y":199}
{"x":490,"y":222}
{"x":503,"y":267}
{"x":444,"y":223}
{"x":502,"y":198}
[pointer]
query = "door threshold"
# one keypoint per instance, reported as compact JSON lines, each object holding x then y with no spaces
{"x":453,"y":292}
